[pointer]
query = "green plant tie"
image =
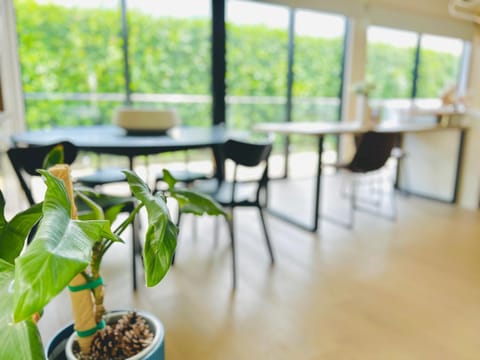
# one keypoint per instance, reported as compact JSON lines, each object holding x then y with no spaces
{"x":90,"y":332}
{"x":87,"y":286}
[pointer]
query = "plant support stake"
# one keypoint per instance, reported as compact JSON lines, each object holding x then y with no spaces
{"x":82,"y":302}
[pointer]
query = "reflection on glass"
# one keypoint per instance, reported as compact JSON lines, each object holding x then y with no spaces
{"x":257,"y":39}
{"x":169,"y":51}
{"x":71,"y":61}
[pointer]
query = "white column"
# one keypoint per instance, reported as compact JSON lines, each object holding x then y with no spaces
{"x":12,"y":120}
{"x":14,"y":117}
{"x":355,"y":64}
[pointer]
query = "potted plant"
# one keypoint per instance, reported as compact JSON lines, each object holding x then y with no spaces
{"x":67,"y":251}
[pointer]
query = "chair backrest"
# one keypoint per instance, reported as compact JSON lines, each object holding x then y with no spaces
{"x":373,"y":151}
{"x":247,"y":153}
{"x":29,"y":159}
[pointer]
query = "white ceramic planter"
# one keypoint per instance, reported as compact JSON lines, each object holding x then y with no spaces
{"x":146,"y":120}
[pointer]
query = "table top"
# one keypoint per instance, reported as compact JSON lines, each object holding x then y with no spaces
{"x":111,"y":139}
{"x":335,"y":128}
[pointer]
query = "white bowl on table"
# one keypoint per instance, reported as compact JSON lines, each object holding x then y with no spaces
{"x":146,"y":121}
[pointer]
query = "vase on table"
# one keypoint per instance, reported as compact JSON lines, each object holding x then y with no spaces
{"x":364,"y":112}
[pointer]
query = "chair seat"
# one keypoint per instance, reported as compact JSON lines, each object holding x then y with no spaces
{"x":245,"y":192}
{"x":102,"y":177}
{"x":184,"y":176}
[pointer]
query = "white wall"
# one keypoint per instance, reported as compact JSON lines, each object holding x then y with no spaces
{"x":12,"y":120}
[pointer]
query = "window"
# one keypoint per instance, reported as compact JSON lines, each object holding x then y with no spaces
{"x":439,"y":68}
{"x":71,"y":60}
{"x":318,"y":58}
{"x":169,"y":54}
{"x":390,"y":66}
{"x":257,"y":59}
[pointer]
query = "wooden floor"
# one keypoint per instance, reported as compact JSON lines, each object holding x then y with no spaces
{"x":385,"y":290}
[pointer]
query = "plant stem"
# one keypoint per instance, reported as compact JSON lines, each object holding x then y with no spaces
{"x":131,"y":217}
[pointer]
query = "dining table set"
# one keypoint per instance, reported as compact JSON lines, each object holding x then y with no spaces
{"x":114,"y":140}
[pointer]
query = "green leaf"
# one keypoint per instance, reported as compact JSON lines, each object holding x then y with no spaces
{"x":54,"y":157}
{"x":112,"y":212}
{"x":161,"y":235}
{"x":17,"y":340}
{"x":14,"y":233}
{"x":196,"y":203}
{"x":169,"y":179}
{"x":60,"y":250}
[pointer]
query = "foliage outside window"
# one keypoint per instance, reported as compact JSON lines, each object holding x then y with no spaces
{"x":169,"y":53}
{"x":440,"y":60}
{"x":318,"y":54}
{"x":71,"y":62}
{"x":390,"y":62}
{"x":257,"y":40}
{"x":73,"y":74}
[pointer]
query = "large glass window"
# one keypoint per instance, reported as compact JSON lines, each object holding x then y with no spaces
{"x":318,"y":54}
{"x":169,"y":54}
{"x":390,"y":65}
{"x":439,"y":67}
{"x":71,"y":60}
{"x":257,"y":58}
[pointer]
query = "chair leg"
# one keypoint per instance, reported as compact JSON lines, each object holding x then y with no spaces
{"x":267,"y":238}
{"x":353,"y":203}
{"x":232,"y":245}
{"x":216,"y":230}
{"x":393,"y":200}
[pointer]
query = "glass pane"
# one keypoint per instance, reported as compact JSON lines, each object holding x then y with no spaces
{"x":390,"y":64}
{"x":318,"y":55}
{"x":71,"y":61}
{"x":257,"y":40}
{"x":169,"y":49}
{"x":440,"y":60}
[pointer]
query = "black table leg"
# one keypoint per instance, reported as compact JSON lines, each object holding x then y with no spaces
{"x":317,"y":197}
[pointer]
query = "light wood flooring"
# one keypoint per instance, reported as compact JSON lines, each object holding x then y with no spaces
{"x":408,"y":289}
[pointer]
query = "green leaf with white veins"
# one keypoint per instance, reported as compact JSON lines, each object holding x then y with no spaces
{"x":13,"y":233}
{"x":191,"y":201}
{"x":60,"y":250}
{"x":17,"y":340}
{"x":161,"y":236}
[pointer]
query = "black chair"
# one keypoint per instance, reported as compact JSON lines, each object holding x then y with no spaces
{"x":27,"y":160}
{"x":102,"y":176}
{"x":372,"y":153}
{"x":242,"y":193}
{"x":184,"y":176}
